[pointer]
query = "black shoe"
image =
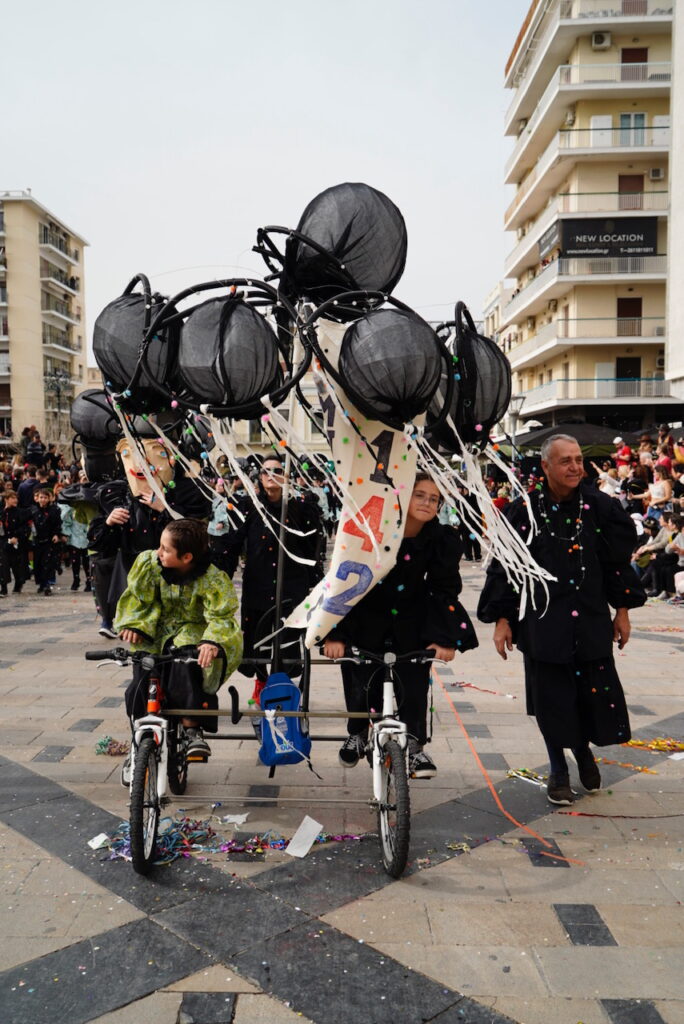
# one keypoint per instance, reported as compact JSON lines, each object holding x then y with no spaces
{"x":88,"y":587}
{"x":47,"y":592}
{"x":558,"y":790}
{"x":75,"y":585}
{"x":17,"y":590}
{"x":351,"y":750}
{"x":40,"y":590}
{"x":421,"y":766}
{"x":198,"y":749}
{"x":589,"y":773}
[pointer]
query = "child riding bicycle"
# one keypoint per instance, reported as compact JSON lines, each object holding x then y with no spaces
{"x":176,"y":598}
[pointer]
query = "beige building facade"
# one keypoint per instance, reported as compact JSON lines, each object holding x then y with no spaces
{"x":583,"y":314}
{"x":42,"y":325}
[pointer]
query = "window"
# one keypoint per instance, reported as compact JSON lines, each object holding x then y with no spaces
{"x":255,"y":431}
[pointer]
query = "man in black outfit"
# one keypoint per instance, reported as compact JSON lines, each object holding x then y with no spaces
{"x":585,"y":540}
{"x":261,"y":560}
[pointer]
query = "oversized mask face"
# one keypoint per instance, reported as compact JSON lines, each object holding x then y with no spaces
{"x":159,"y":462}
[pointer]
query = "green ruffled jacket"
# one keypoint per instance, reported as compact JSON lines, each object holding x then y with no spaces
{"x":203,"y":608}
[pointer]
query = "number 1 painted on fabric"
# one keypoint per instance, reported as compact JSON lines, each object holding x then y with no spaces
{"x":338,"y":604}
{"x":372,"y":513}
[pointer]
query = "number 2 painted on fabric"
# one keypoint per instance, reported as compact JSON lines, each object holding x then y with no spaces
{"x":338,"y":604}
{"x":372,"y":513}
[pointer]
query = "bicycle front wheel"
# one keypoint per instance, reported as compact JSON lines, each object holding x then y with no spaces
{"x":144,"y":814}
{"x":394,"y":810}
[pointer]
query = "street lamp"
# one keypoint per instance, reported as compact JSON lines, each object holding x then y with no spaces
{"x":58,"y":381}
{"x":514,"y":411}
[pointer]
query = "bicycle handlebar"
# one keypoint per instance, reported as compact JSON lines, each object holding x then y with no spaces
{"x":121,"y":654}
{"x":356,"y":653}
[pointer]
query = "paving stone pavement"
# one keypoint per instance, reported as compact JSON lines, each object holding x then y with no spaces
{"x":549,"y":918}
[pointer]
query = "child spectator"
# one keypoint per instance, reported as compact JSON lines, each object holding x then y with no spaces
{"x":176,"y":597}
{"x":75,"y":521}
{"x":16,"y":523}
{"x":47,"y":523}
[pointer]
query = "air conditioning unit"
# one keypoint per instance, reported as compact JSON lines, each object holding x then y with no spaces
{"x":660,"y":362}
{"x":553,"y":305}
{"x":569,"y":119}
{"x":531,"y":323}
{"x":656,"y":173}
{"x":600,"y":40}
{"x":659,"y":332}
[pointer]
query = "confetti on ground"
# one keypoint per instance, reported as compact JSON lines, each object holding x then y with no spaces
{"x":185,"y":837}
{"x":659,"y":745}
{"x":115,"y":748}
{"x":661,"y":629}
{"x":626,"y":764}
{"x":527,"y":775}
{"x":481,"y":689}
{"x":635,"y":817}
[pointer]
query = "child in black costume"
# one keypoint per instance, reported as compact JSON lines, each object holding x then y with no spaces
{"x":47,"y":522}
{"x":414,"y":607}
{"x":16,"y":523}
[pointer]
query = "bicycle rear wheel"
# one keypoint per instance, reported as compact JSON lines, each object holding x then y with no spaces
{"x":144,"y":813}
{"x":394,"y":810}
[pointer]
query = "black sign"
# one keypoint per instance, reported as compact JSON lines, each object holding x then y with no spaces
{"x":622,"y":236}
{"x":550,"y":239}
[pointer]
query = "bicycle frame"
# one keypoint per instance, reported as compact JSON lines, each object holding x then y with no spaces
{"x":388,"y":727}
{"x":159,"y":727}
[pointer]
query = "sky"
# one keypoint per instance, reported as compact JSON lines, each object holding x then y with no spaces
{"x":166,"y":133}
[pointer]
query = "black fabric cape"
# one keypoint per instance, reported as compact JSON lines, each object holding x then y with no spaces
{"x":416,"y":603}
{"x":577,"y":625}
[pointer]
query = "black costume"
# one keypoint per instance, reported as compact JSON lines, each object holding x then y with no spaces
{"x":16,"y":523}
{"x":416,"y":604}
{"x":47,"y":523}
{"x":571,"y":683}
{"x":261,"y":561}
{"x":118,"y":547}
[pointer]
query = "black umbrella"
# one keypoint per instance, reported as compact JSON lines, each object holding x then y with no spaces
{"x":587,"y":435}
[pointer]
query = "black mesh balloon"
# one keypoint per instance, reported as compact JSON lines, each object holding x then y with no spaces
{"x":117,"y":340}
{"x":482,"y":386}
{"x":390,"y":364}
{"x":93,"y":420}
{"x":228,"y":354}
{"x":362,"y":229}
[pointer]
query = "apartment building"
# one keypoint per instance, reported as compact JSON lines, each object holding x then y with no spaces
{"x":583,"y":315}
{"x":42,"y":353}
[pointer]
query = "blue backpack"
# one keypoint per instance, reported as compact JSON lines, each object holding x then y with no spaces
{"x":283,"y":740}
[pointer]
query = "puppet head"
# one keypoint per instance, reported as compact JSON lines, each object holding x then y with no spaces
{"x":159,"y":460}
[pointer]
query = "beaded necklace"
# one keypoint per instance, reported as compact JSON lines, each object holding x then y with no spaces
{"x":574,"y":547}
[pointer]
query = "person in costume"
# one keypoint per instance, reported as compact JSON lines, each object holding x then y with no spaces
{"x":261,"y":560}
{"x":132,"y":517}
{"x":415,"y":607}
{"x":16,"y":524}
{"x":585,"y":539}
{"x":47,"y":524}
{"x":175,"y":597}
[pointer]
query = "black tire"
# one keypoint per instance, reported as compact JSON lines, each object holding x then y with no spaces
{"x":144,"y":815}
{"x":177,"y":764}
{"x":394,"y":810}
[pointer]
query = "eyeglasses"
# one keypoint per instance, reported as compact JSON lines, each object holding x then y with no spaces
{"x":427,"y":499}
{"x":273,"y":472}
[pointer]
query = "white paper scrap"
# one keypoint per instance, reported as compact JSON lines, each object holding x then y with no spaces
{"x":304,"y":837}
{"x":677,"y":757}
{"x":235,"y":819}
{"x":97,"y":842}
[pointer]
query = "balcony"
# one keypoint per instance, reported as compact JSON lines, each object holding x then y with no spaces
{"x":4,"y":329}
{"x":552,"y":38}
{"x":59,"y":310}
{"x":558,"y":276}
{"x":58,"y":279}
{"x":586,"y":144}
{"x":53,"y":244}
{"x":596,"y":391}
{"x":58,"y":340}
{"x":3,"y":296}
{"x":562,"y":334}
{"x":572,"y":203}
{"x":574,"y":82}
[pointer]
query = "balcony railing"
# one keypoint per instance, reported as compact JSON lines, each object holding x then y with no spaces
{"x":3,"y":296}
{"x":589,"y":138}
{"x":64,"y":280}
{"x":596,"y":389}
{"x":585,"y":266}
{"x":56,"y":241}
{"x":53,"y":305}
{"x":612,"y":202}
{"x":54,"y":337}
{"x":588,"y":329}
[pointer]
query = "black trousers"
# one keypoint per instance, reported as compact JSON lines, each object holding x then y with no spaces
{"x":79,"y":559}
{"x":17,"y":563}
{"x":101,"y":571}
{"x":182,"y":686}
{"x":363,"y":692}
{"x":664,"y":568}
{"x":44,"y":561}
